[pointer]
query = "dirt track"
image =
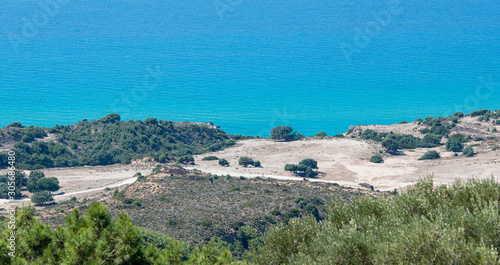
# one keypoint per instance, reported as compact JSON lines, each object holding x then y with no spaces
{"x":87,"y":181}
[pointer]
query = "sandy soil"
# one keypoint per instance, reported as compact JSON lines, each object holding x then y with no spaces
{"x":346,"y":161}
{"x":341,"y":160}
{"x":87,"y":181}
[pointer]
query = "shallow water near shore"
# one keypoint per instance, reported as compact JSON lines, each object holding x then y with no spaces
{"x":261,"y":65}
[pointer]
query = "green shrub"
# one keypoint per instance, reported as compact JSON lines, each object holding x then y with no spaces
{"x":110,"y":118}
{"x":310,"y":173}
{"x":41,"y":197}
{"x":376,"y":159}
{"x":139,"y":176}
{"x":186,"y":159}
{"x":430,"y":155}
{"x":245,"y":161}
{"x":48,"y":184}
{"x":479,"y":112}
{"x":283,"y":133}
{"x":321,"y":134}
{"x":425,"y":131}
{"x":210,"y":158}
{"x":390,"y":145}
{"x":223,"y":162}
{"x":15,"y":125}
{"x":303,"y":170}
{"x":468,"y":152}
{"x":309,"y":163}
{"x":430,"y":140}
{"x":439,"y":129}
{"x":454,"y":143}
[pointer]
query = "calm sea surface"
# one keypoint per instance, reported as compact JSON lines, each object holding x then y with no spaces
{"x":248,"y":65}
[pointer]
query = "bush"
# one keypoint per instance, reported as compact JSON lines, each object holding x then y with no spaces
{"x":454,"y":144}
{"x":376,"y":159}
{"x":303,"y":170}
{"x":256,"y":163}
{"x":16,"y":125}
{"x":186,"y":159}
{"x":425,"y":131}
{"x":44,"y":184}
{"x":210,"y":158}
{"x":321,"y":134}
{"x":391,"y":145}
{"x":223,"y":162}
{"x":245,"y":161}
{"x":283,"y":133}
{"x":110,"y":118}
{"x":151,"y":121}
{"x":430,"y":155}
{"x":439,"y":129}
{"x":139,"y":176}
{"x":35,"y":175}
{"x":309,"y":163}
{"x":41,"y":197}
{"x":310,"y":173}
{"x":468,"y":152}
{"x":430,"y":140}
{"x":295,"y":168}
{"x":479,"y":112}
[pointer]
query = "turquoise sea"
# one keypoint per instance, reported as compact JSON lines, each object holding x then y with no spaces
{"x":248,"y":65}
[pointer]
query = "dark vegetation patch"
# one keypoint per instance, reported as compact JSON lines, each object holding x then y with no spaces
{"x":434,"y":131}
{"x":430,"y":155}
{"x":427,"y":224}
{"x":110,"y":141}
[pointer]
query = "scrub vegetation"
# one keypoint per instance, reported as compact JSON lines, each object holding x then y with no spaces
{"x":110,"y":141}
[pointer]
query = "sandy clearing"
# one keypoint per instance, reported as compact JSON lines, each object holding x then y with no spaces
{"x":346,"y":161}
{"x":86,"y":181}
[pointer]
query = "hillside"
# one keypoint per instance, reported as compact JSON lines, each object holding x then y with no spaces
{"x":194,"y":207}
{"x":107,"y":141}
